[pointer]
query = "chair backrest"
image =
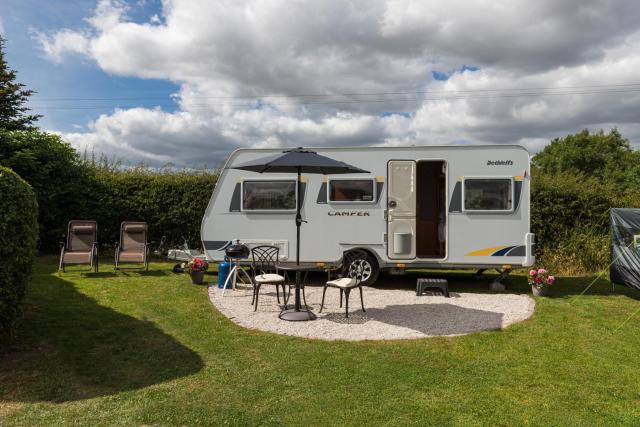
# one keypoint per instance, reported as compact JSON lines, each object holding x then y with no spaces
{"x":353,"y":263}
{"x":81,"y":235}
{"x":133,"y":236}
{"x":264,"y":259}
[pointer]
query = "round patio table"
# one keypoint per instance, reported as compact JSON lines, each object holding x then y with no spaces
{"x":298,"y":313}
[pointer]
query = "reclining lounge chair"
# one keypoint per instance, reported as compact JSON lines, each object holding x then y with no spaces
{"x":81,"y":245}
{"x":133,"y":246}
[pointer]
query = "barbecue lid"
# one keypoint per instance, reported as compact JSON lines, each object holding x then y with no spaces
{"x":237,"y":251}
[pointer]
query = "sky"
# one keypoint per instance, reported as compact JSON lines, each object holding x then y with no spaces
{"x":185,"y":82}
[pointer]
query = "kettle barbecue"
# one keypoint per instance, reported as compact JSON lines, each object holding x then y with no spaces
{"x":237,"y":251}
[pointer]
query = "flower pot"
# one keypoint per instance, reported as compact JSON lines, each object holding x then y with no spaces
{"x":197,"y":277}
{"x":539,"y":292}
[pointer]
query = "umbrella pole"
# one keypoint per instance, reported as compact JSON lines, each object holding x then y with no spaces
{"x":298,"y":224}
{"x":298,"y":314}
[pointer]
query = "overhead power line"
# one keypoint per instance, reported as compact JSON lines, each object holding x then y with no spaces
{"x":355,"y":98}
{"x":325,"y":95}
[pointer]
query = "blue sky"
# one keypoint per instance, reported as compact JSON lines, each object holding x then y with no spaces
{"x":76,"y":77}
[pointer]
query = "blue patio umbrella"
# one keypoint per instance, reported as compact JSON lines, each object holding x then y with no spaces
{"x":299,"y":161}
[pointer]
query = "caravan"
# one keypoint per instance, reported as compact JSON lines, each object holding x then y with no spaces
{"x":419,"y":207}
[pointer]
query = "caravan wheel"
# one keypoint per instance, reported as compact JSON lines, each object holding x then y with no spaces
{"x":368,"y":266}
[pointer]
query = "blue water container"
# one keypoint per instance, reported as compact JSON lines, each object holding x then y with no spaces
{"x":223,"y":272}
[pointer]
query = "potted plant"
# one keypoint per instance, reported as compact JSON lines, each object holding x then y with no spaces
{"x":540,"y":281}
{"x":196,"y":268}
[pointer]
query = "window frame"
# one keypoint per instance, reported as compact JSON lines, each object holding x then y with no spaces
{"x":489,"y":211}
{"x":342,"y":202}
{"x":289,"y":180}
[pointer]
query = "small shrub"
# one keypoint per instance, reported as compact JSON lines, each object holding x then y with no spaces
{"x":18,"y":239}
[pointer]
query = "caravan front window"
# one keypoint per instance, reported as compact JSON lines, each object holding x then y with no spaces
{"x":488,"y":194}
{"x":269,"y":195}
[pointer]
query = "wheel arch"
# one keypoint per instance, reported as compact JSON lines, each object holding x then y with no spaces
{"x":369,"y":252}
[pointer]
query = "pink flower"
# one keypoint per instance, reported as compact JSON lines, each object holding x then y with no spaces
{"x":533,"y":273}
{"x":542,"y":271}
{"x":551,"y":279}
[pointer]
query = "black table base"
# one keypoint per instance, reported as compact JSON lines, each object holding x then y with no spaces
{"x":294,"y":315}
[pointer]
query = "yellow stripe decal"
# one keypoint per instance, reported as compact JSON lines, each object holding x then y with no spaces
{"x":485,"y":251}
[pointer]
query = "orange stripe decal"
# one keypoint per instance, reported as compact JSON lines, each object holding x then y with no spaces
{"x":485,"y":251}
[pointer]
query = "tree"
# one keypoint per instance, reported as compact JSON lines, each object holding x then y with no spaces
{"x":13,"y":97}
{"x":607,"y":157}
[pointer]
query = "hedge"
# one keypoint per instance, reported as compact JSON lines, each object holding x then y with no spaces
{"x":18,"y":239}
{"x":172,"y":203}
{"x":69,"y":187}
{"x":570,"y":217}
{"x":54,"y":171}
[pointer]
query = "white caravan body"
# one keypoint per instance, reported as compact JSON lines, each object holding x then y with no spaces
{"x":419,"y":207}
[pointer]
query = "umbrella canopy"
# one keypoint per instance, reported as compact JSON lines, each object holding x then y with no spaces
{"x":300,"y":160}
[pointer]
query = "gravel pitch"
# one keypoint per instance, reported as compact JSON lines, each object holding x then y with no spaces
{"x":390,"y":313}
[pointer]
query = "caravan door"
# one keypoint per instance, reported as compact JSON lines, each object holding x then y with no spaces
{"x":401,"y":209}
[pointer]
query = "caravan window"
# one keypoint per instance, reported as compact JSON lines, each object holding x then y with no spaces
{"x":351,"y":190}
{"x":269,"y":195}
{"x":488,"y":194}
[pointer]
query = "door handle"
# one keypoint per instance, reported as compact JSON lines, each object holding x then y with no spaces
{"x":392,"y":204}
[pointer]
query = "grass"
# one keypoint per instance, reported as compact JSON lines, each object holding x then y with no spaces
{"x":136,"y":348}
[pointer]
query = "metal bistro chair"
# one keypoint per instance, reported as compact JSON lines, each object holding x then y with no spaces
{"x":350,"y":277}
{"x":264,"y":267}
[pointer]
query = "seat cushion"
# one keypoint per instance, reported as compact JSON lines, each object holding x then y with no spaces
{"x":131,"y":256}
{"x":345,"y":282}
{"x":269,"y":278}
{"x":77,"y":258}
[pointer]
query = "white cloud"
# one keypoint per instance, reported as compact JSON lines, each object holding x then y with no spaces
{"x":218,"y":51}
{"x":63,"y":42}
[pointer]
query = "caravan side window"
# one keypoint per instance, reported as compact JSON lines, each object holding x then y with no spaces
{"x":268,"y":195}
{"x":488,"y":194}
{"x":351,"y":190}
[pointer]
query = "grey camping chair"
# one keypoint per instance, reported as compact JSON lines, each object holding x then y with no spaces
{"x":80,"y":245}
{"x":350,"y":277}
{"x":133,"y":246}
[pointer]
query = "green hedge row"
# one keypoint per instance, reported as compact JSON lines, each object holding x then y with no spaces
{"x":570,"y":217}
{"x":18,"y":237}
{"x":173,"y":204}
{"x":69,"y":187}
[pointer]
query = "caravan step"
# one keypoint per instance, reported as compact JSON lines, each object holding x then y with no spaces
{"x":425,"y":283}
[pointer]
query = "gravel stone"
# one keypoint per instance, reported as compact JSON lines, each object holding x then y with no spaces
{"x":390,"y":313}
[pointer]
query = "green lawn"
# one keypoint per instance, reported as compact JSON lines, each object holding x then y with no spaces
{"x":136,"y":348}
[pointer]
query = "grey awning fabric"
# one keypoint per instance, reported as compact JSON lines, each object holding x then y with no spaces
{"x":625,"y":247}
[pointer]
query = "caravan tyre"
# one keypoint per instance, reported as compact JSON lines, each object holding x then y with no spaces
{"x":369,"y":266}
